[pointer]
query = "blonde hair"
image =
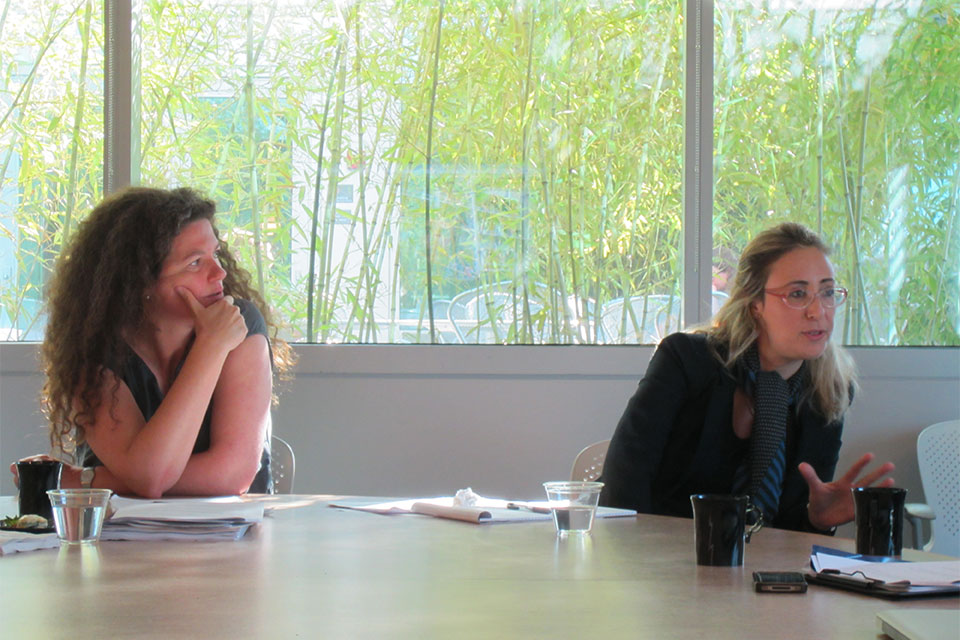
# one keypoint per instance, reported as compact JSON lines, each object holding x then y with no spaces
{"x":832,"y":375}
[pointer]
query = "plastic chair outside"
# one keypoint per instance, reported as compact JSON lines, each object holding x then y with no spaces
{"x":282,"y":465}
{"x":647,"y":319}
{"x":588,"y":465}
{"x":641,"y":319}
{"x":938,"y":454}
{"x":496,"y":314}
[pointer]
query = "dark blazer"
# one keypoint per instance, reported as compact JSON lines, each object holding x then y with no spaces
{"x":676,"y":438}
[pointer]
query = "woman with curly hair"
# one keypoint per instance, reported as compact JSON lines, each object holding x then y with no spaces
{"x":159,"y":367}
{"x":752,"y":404}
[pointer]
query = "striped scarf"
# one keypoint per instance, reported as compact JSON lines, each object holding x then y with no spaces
{"x":772,"y":396}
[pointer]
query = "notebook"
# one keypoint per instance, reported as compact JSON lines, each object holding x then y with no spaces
{"x":884,"y":577}
{"x":920,"y":624}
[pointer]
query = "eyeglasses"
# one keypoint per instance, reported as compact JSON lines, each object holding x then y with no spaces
{"x":800,"y":298}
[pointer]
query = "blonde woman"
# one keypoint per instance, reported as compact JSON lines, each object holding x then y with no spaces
{"x":752,"y":404}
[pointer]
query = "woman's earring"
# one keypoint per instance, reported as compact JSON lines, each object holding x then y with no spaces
{"x":147,"y":297}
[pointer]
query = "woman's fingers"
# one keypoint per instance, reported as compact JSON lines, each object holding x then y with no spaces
{"x":854,"y":471}
{"x":875,"y":475}
{"x":809,"y":475}
{"x":192,"y":303}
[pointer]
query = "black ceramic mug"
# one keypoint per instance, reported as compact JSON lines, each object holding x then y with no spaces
{"x":879,"y":518}
{"x":36,"y":477}
{"x":720,"y":528}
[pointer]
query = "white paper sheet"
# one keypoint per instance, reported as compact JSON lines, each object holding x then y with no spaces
{"x":14,"y":542}
{"x":484,"y":511}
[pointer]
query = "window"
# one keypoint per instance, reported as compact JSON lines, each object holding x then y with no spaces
{"x":842,"y":118}
{"x":484,"y":172}
{"x":51,"y":146}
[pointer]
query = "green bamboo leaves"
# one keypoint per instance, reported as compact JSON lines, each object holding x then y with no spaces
{"x":494,"y":171}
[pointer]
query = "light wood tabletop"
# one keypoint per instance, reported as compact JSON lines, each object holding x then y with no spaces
{"x":314,"y":571}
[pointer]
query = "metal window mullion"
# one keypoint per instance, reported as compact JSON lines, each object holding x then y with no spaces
{"x":117,"y":94}
{"x":698,"y":162}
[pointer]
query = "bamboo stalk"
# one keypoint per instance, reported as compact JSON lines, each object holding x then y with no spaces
{"x":332,"y":286}
{"x":366,"y":267}
{"x":862,"y":308}
{"x":315,"y":212}
{"x":820,"y":102}
{"x":525,"y":328}
{"x":49,"y":39}
{"x":252,"y":152}
{"x":168,"y":96}
{"x":77,"y":121}
{"x":952,"y":210}
{"x":426,"y":203}
{"x":3,"y":17}
{"x":27,"y":88}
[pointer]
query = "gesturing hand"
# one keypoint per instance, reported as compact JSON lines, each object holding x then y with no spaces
{"x":219,"y":324}
{"x":831,"y":503}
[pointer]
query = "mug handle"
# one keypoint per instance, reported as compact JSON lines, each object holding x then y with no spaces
{"x":756,"y":526}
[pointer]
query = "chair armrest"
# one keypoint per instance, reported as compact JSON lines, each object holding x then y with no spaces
{"x":918,"y":510}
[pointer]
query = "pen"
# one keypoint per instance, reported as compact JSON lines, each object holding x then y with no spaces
{"x":517,"y":506}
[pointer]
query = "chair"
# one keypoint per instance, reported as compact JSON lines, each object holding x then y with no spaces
{"x":640,"y":319}
{"x":282,"y":465}
{"x":589,"y":462}
{"x":645,"y":318}
{"x":938,"y":455}
{"x":499,"y":314}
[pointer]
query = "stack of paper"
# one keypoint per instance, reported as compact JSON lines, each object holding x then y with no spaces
{"x":14,"y":541}
{"x":180,"y":519}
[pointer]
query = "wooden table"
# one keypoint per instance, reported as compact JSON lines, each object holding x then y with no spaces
{"x":314,"y":571}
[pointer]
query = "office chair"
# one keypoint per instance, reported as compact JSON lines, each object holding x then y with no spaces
{"x":588,"y":465}
{"x":282,"y":465}
{"x":938,"y":454}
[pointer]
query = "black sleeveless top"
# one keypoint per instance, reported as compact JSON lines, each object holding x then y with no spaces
{"x":146,"y":392}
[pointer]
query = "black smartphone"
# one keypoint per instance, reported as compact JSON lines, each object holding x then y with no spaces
{"x":779,"y":582}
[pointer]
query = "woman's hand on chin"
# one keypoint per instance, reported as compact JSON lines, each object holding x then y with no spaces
{"x":220,"y":323}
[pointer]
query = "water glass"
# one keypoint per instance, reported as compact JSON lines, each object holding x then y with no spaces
{"x":573,"y":504}
{"x":78,"y":514}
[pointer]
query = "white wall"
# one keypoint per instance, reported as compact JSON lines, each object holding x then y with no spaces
{"x":417,"y":420}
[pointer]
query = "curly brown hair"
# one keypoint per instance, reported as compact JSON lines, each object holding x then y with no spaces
{"x":96,"y":296}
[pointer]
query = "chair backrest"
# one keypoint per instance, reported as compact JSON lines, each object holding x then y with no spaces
{"x":500,"y":313}
{"x":588,"y":465}
{"x":938,"y":454}
{"x":645,"y":318}
{"x":641,"y":319}
{"x":282,"y":465}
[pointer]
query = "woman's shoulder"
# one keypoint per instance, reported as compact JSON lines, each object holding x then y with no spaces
{"x":697,"y":354}
{"x":252,"y":316}
{"x":690,"y":345}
